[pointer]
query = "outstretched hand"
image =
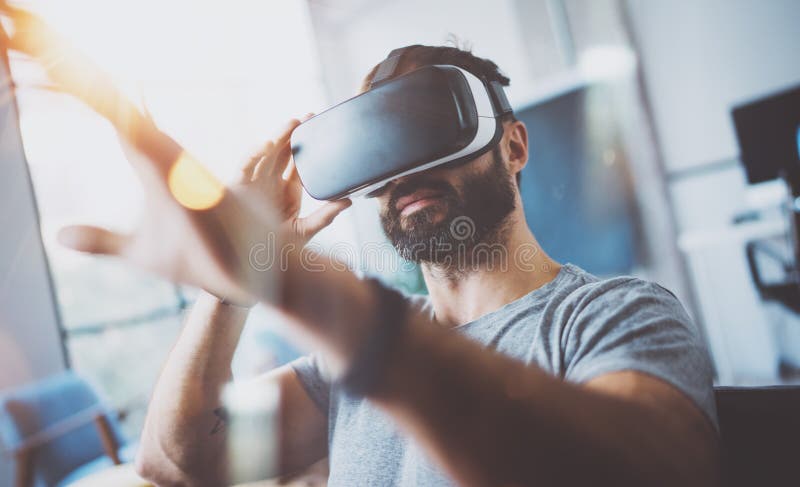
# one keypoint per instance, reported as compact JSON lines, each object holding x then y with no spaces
{"x":193,"y":229}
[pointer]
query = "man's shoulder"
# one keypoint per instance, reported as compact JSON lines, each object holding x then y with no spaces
{"x":571,"y":284}
{"x":578,"y":296}
{"x":622,"y":304}
{"x":574,"y":290}
{"x":588,"y":287}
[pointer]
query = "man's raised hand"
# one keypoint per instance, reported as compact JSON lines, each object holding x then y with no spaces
{"x":272,"y":170}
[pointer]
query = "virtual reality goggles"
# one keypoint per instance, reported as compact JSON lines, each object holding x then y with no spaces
{"x":428,"y":117}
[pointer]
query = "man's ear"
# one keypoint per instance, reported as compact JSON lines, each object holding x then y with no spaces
{"x":515,"y":140}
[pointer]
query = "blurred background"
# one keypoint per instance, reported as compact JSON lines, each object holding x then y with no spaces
{"x":635,"y":165}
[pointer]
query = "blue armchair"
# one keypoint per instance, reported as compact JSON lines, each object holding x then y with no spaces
{"x":58,"y":430}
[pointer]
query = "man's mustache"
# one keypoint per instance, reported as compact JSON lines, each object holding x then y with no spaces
{"x":409,"y":187}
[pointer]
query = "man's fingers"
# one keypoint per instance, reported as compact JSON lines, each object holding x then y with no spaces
{"x":282,"y":159}
{"x":292,"y":175}
{"x":283,"y":150}
{"x":290,"y":172}
{"x":137,"y":159}
{"x":286,"y":133}
{"x":132,"y":154}
{"x":323,"y":217}
{"x":274,"y":164}
{"x":93,"y":240}
{"x":14,"y":13}
{"x":249,"y":169}
{"x":23,"y":21}
{"x":271,"y":159}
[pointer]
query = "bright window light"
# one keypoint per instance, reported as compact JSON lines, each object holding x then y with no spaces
{"x":607,"y":63}
{"x":220,"y":77}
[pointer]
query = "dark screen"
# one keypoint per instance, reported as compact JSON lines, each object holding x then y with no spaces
{"x":767,"y":133}
{"x":417,"y":118}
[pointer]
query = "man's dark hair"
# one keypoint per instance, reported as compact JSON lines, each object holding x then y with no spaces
{"x":417,"y":56}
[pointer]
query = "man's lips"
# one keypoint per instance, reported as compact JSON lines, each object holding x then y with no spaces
{"x":416,"y":200}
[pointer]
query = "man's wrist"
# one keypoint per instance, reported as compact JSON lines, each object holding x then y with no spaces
{"x":412,"y":360}
{"x":227,"y":303}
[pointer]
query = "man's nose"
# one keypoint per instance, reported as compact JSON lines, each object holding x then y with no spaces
{"x":404,"y":179}
{"x":394,"y":182}
{"x":389,"y":187}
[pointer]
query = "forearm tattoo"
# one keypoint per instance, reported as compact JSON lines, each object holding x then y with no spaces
{"x":222,"y":420}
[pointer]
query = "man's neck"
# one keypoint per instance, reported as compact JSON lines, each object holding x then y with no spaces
{"x":508,"y":270}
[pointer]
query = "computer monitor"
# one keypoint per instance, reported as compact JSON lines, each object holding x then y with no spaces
{"x":767,"y":131}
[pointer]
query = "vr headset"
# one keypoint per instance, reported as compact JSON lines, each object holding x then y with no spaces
{"x":431,"y":116}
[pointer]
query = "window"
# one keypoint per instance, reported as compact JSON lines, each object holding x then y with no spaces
{"x":222,"y":78}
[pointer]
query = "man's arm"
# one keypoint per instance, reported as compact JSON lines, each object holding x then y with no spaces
{"x":491,"y":420}
{"x":183,"y":441}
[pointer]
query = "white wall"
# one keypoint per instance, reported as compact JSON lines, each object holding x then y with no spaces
{"x":30,"y":347}
{"x":353,"y":39}
{"x":700,"y":58}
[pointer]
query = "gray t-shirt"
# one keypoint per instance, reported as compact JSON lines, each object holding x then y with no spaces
{"x":576,"y":327}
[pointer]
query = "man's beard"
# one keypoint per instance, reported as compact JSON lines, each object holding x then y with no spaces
{"x":476,"y":216}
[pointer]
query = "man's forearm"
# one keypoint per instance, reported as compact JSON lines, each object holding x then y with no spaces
{"x":184,"y":430}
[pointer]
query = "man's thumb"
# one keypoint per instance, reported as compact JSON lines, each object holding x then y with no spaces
{"x":93,"y":240}
{"x":323,"y":217}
